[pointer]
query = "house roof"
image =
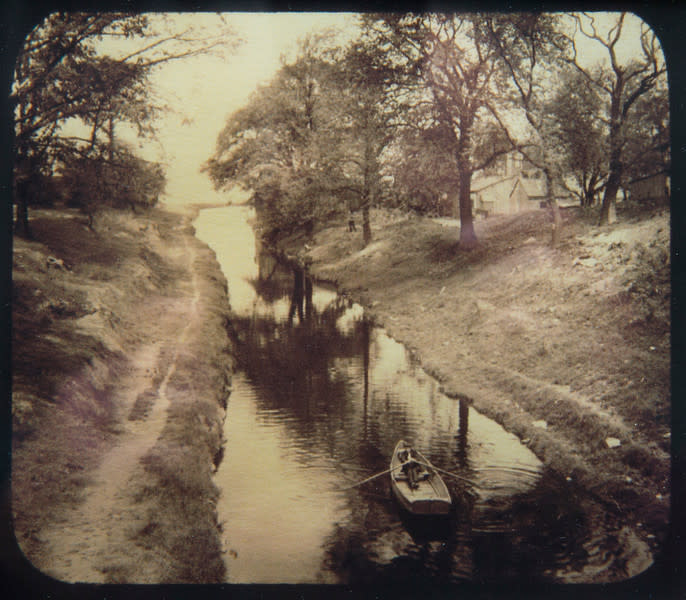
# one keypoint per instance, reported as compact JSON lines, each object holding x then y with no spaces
{"x":483,"y":182}
{"x":534,"y":188}
{"x":644,"y":177}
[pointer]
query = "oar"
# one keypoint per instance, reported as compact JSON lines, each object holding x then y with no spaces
{"x":372,"y":477}
{"x":447,"y":472}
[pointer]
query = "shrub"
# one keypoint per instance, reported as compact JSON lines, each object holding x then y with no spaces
{"x":124,"y":182}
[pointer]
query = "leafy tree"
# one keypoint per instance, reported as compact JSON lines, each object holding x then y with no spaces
{"x":123,"y":180}
{"x":648,"y":135}
{"x":282,"y":145}
{"x":52,"y":84}
{"x":424,"y":176}
{"x":366,"y":122}
{"x":62,"y":73}
{"x":453,"y":75}
{"x":529,"y":47}
{"x":120,"y":95}
{"x":577,"y":118}
{"x":577,"y":128}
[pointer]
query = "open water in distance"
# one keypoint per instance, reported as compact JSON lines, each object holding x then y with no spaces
{"x":321,"y":398}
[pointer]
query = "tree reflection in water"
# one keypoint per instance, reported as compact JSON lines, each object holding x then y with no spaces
{"x":320,"y":370}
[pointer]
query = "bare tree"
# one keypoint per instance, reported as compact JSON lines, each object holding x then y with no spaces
{"x":620,"y":84}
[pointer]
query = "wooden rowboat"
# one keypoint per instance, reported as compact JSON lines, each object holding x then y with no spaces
{"x":429,"y":495}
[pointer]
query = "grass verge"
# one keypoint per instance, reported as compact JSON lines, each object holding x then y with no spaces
{"x":567,"y":347}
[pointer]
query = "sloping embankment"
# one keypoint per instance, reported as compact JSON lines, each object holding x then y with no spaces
{"x":121,"y":368}
{"x":569,"y":348}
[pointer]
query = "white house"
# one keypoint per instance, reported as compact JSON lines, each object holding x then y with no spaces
{"x":509,"y":186}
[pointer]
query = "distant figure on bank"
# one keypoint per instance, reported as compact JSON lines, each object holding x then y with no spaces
{"x":351,"y":222}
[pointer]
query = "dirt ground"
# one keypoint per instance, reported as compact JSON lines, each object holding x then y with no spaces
{"x":121,"y":370}
{"x":567,"y":347}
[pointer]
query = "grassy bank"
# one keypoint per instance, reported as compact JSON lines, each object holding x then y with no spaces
{"x":567,"y":347}
{"x":111,"y":326}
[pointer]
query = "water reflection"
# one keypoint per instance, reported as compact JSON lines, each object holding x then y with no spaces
{"x":320,"y":401}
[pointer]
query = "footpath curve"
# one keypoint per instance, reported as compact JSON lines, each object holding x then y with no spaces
{"x":138,"y":504}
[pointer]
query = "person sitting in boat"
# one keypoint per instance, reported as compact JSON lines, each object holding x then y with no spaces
{"x":410,"y":467}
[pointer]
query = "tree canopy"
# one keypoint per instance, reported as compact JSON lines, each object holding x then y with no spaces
{"x":578,"y":131}
{"x":67,"y":70}
{"x":417,"y":104}
{"x":282,"y":144}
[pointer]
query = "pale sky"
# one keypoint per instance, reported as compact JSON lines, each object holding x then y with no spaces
{"x":628,"y":45}
{"x":204,"y":90}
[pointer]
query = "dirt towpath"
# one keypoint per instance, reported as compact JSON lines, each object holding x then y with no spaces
{"x":112,"y":479}
{"x":93,"y":535}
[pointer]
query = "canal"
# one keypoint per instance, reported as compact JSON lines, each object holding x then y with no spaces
{"x":320,"y":399}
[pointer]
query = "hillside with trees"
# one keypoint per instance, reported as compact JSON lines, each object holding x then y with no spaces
{"x":411,"y":109}
{"x":93,"y":253}
{"x":367,"y":155}
{"x":554,"y":321}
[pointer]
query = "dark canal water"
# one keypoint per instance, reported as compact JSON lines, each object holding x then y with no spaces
{"x":321,"y":398}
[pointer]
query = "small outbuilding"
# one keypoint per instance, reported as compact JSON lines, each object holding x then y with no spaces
{"x":655,"y":187}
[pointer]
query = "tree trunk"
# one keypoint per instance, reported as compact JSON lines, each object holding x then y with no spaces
{"x":309,"y":304}
{"x":607,"y":208}
{"x":367,"y":191}
{"x":608,"y":213}
{"x":464,"y":171}
{"x":20,"y":191}
{"x":463,"y":427}
{"x":22,"y":225}
{"x":554,"y":207}
{"x":557,"y":222}
{"x":467,"y":234}
{"x":297,"y":296}
{"x":110,"y":135}
{"x":590,"y":190}
{"x":366,"y":225}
